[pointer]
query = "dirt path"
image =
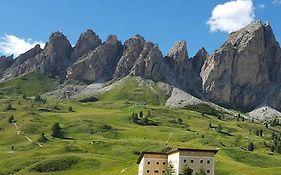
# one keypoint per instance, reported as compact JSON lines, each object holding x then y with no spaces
{"x":19,"y":132}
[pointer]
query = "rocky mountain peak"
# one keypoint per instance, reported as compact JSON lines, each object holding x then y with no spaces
{"x":240,"y":39}
{"x":132,"y":49}
{"x":27,"y":55}
{"x":179,"y":51}
{"x":87,"y":41}
{"x":58,"y":43}
{"x":199,"y":59}
{"x":149,"y":63}
{"x":240,"y":73}
{"x":112,"y":40}
{"x":99,"y":64}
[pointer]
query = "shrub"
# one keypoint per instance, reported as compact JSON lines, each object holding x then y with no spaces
{"x":88,"y":99}
{"x":186,"y":171}
{"x":219,"y":128}
{"x":38,"y":99}
{"x":57,"y":131}
{"x":205,"y":109}
{"x":43,"y":138}
{"x":56,"y":165}
{"x":201,"y":172}
{"x":250,"y":146}
{"x":11,"y":119}
{"x":142,"y":120}
{"x":9,"y":107}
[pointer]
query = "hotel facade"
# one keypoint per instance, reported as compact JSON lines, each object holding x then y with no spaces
{"x":153,"y":163}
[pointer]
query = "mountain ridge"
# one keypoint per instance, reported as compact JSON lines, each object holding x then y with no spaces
{"x":240,"y":74}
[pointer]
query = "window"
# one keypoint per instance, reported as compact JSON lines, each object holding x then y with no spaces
{"x":157,"y":163}
{"x":191,"y":161}
{"x":163,"y":171}
{"x":147,"y":171}
{"x":155,"y":171}
{"x":201,"y":161}
{"x":208,"y":161}
{"x":184,"y":161}
{"x":148,"y":163}
{"x":208,"y":171}
{"x":164,"y":163}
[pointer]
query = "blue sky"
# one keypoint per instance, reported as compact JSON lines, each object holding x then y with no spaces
{"x":161,"y":21}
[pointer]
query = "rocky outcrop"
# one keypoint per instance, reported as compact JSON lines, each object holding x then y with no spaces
{"x":53,"y":60}
{"x":181,"y":64}
{"x":132,"y":50}
{"x":87,"y":41}
{"x":5,"y":62}
{"x":99,"y":64}
{"x":241,"y":72}
{"x":198,"y":60}
{"x":27,"y":55}
{"x":149,"y":64}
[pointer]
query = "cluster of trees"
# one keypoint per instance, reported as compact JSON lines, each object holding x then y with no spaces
{"x":276,"y":139}
{"x":142,"y":119}
{"x":275,"y":122}
{"x":178,"y":121}
{"x":39,"y":99}
{"x":9,"y":107}
{"x":217,"y":128}
{"x":11,"y":119}
{"x":185,"y":171}
{"x":251,"y":146}
{"x":240,"y":118}
{"x":259,"y":132}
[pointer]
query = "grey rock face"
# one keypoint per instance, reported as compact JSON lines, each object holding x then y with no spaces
{"x":132,"y":51}
{"x":99,"y":64}
{"x":199,"y":59}
{"x":27,"y":55}
{"x":5,"y":62}
{"x":53,"y":60}
{"x":184,"y":70}
{"x":179,"y":51}
{"x":87,"y":41}
{"x":149,"y":64}
{"x":239,"y":73}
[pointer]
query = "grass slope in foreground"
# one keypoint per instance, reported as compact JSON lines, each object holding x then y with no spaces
{"x":101,"y":138}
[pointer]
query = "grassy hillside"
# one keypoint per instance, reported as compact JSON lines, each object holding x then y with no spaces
{"x":132,"y":91}
{"x":101,"y":138}
{"x":30,"y":85}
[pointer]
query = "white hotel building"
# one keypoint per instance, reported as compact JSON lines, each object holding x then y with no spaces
{"x":153,"y":163}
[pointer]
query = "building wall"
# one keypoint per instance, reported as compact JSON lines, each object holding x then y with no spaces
{"x":207,"y":163}
{"x":141,"y":167}
{"x":154,"y":164}
{"x":174,"y":159}
{"x":197,"y":160}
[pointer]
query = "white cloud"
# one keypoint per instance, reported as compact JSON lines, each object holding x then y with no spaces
{"x":261,"y":6}
{"x":231,"y":16}
{"x":10,"y":44}
{"x":276,"y":2}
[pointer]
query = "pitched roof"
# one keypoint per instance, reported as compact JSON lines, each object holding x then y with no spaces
{"x":193,"y":150}
{"x":175,"y":151}
{"x":143,"y":153}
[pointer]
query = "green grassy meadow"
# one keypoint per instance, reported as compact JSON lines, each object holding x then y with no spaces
{"x":101,"y":139}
